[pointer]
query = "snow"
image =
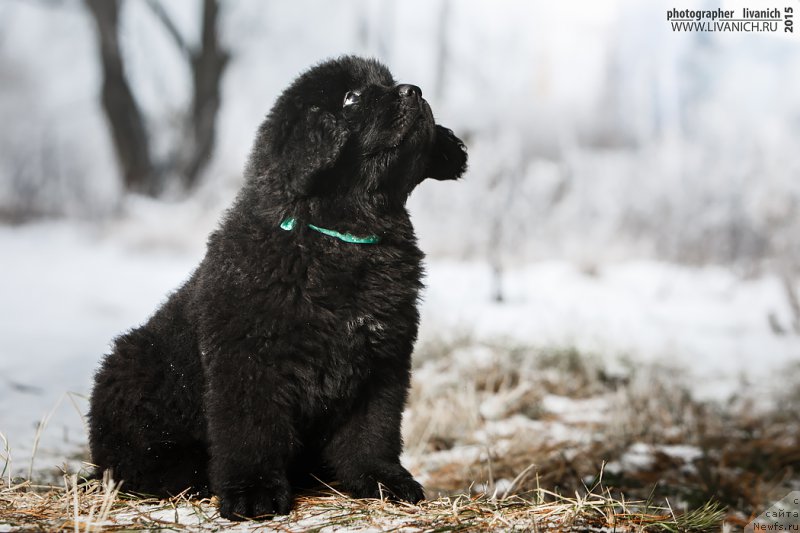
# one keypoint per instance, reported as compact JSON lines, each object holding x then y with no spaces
{"x":601,"y":145}
{"x":577,"y":411}
{"x":640,"y":456}
{"x":684,"y":452}
{"x":69,"y":288}
{"x":205,"y":517}
{"x":67,"y":291}
{"x":707,"y":321}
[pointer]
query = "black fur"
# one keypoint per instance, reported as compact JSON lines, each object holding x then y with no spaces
{"x":288,"y":351}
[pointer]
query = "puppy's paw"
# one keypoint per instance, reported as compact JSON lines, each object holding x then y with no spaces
{"x":388,"y":480}
{"x":256,"y":502}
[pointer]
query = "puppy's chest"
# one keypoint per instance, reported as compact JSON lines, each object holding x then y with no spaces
{"x":373,"y":307}
{"x":364,"y":293}
{"x":365,"y":323}
{"x":363,"y":348}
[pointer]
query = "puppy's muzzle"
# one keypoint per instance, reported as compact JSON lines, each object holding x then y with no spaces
{"x":412,"y":109}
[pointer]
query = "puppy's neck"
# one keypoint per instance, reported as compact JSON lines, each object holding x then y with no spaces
{"x":354,"y":214}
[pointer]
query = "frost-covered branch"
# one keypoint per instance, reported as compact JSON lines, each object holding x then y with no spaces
{"x":170,"y":27}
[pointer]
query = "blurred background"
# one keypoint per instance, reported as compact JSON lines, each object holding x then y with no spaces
{"x":633,"y":192}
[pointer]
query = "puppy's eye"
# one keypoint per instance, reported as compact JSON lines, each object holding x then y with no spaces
{"x":352,"y":97}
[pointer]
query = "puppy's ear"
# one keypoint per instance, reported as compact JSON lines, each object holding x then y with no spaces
{"x":312,"y":146}
{"x":448,"y":159}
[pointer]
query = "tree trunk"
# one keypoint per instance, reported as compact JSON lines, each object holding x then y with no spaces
{"x":208,"y":64}
{"x":124,"y":118}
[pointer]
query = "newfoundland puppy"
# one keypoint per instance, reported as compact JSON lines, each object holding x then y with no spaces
{"x":288,"y":350}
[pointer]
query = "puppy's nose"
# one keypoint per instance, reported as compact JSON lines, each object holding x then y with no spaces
{"x":409,"y":91}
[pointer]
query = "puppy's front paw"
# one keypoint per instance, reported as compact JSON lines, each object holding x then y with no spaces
{"x":260,"y":501}
{"x":397,"y":482}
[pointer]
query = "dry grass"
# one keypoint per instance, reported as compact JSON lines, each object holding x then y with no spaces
{"x":482,"y":413}
{"x":99,"y":506}
{"x":510,"y":438}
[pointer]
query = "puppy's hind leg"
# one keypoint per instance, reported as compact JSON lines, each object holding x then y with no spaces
{"x":177,"y":467}
{"x":151,"y":466}
{"x":139,"y":427}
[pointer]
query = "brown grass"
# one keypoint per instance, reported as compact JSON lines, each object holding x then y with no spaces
{"x":746,"y":455}
{"x":99,"y":506}
{"x":510,"y":438}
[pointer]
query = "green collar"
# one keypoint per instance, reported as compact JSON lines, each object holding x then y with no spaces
{"x":289,"y":224}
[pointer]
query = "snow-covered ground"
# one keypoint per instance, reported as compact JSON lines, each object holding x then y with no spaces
{"x":68,"y":288}
{"x":707,"y":321}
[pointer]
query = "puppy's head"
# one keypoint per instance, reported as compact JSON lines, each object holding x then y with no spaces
{"x":346,"y":127}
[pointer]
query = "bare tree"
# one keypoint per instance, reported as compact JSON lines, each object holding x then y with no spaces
{"x":207,"y":62}
{"x":128,"y":131}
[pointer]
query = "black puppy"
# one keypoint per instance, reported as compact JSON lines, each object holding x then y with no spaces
{"x":289,"y":347}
